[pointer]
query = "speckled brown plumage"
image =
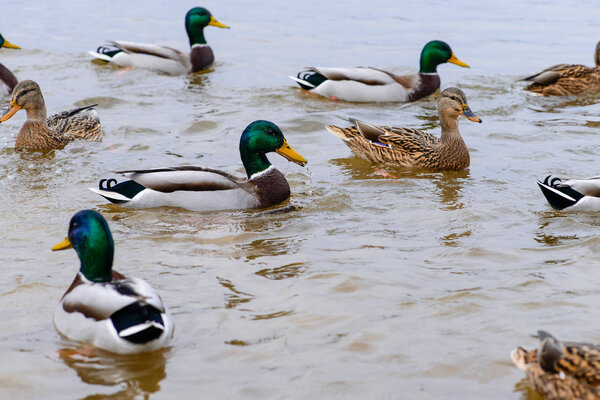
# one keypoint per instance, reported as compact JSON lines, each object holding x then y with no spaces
{"x":413,"y":148}
{"x":41,"y":133}
{"x":567,"y":79}
{"x":561,"y":371}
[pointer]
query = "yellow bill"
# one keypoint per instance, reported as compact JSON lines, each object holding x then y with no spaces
{"x":290,"y":154}
{"x":216,"y":23}
{"x":9,"y":45}
{"x":65,"y":244}
{"x":454,"y":60}
{"x":11,"y":111}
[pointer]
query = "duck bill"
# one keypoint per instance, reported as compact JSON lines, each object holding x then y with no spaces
{"x":290,"y":154}
{"x":65,"y":244}
{"x":10,"y":112}
{"x":9,"y":45}
{"x":454,"y":60}
{"x":470,"y":115}
{"x":216,"y":23}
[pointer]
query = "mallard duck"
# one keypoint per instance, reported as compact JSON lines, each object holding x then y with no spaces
{"x":412,"y":148}
{"x":572,"y":195}
{"x":567,"y":79}
{"x":6,"y":77}
{"x":41,"y":133}
{"x":198,"y":188}
{"x":163,"y":58}
{"x":103,"y":307}
{"x":366,"y":84}
{"x":561,"y":371}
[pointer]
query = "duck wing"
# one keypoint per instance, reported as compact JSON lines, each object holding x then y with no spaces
{"x":78,"y":123}
{"x":191,"y":178}
{"x":148,"y":49}
{"x":366,"y":75}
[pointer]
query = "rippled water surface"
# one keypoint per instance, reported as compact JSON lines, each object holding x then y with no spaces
{"x":382,"y":283}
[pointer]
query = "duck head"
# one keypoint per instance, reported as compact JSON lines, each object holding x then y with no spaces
{"x":453,"y":102}
{"x":196,"y":20}
{"x":262,"y":137}
{"x":90,"y":236}
{"x":435,"y":53}
{"x":26,"y":95}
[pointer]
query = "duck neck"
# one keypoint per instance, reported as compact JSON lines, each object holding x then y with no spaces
{"x":450,"y":132}
{"x":196,"y":36}
{"x":37,"y":111}
{"x":96,"y":262}
{"x":254,"y":162}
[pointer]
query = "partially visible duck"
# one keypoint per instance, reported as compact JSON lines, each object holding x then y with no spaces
{"x":163,"y":58}
{"x":366,"y":84}
{"x":6,"y":77}
{"x":199,"y":188}
{"x":413,"y":148}
{"x":572,"y":195}
{"x":54,"y":132}
{"x":561,"y":371}
{"x":567,"y":79}
{"x":103,"y":307}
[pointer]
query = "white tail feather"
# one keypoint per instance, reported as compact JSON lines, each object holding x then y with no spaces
{"x":302,"y":81}
{"x":110,"y":195}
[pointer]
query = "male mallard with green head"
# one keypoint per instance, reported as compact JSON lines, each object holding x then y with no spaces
{"x":366,"y":84}
{"x":167,"y":59}
{"x":561,"y":371}
{"x":103,"y":307}
{"x":198,"y":188}
{"x":567,"y":79}
{"x":6,"y":77}
{"x":54,"y":132}
{"x":412,"y":148}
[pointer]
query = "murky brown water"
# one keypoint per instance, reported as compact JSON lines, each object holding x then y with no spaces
{"x":383,"y":283}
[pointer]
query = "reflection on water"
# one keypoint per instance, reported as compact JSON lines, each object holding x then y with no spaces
{"x":449,"y":187}
{"x":284,"y":272}
{"x":134,"y":375}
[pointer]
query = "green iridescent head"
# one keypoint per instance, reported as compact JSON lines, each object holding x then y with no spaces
{"x":196,"y":20}
{"x":7,"y":44}
{"x":90,"y":236}
{"x":258,"y":139}
{"x":435,"y":53}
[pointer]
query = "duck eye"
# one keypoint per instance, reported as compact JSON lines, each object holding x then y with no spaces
{"x":453,"y":98}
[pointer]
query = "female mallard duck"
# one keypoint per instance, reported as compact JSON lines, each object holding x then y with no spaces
{"x":167,"y":59}
{"x":567,"y":79}
{"x":412,"y":148}
{"x":199,"y":188}
{"x":572,"y":195}
{"x":365,"y":84}
{"x":561,"y":371}
{"x":41,"y":133}
{"x":102,"y":307}
{"x":6,"y":77}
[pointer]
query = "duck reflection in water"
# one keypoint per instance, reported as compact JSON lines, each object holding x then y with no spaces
{"x":134,"y":375}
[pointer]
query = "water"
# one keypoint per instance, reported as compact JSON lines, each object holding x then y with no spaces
{"x":379,"y":283}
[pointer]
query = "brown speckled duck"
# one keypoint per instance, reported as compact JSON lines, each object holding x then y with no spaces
{"x":6,"y":77}
{"x":41,"y":133}
{"x":567,"y":79}
{"x":412,"y":148}
{"x":561,"y":371}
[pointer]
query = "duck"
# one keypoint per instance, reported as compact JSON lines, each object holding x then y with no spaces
{"x":573,"y":194}
{"x":103,"y":307}
{"x":561,"y":371}
{"x":55,"y":132}
{"x":566,"y":79}
{"x":367,"y":84}
{"x":166,"y":59}
{"x":199,"y":188}
{"x":7,"y":78}
{"x":413,"y":148}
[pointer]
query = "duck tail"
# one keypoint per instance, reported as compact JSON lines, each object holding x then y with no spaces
{"x":339,"y":132}
{"x":520,"y":357}
{"x":309,"y":79}
{"x":560,"y":196}
{"x":105,"y":53}
{"x":120,"y":193}
{"x":138,"y":323}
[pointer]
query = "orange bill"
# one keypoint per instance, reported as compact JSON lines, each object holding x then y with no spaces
{"x":216,"y":23}
{"x":454,"y":60}
{"x":10,"y":112}
{"x":65,"y":244}
{"x":470,"y":115}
